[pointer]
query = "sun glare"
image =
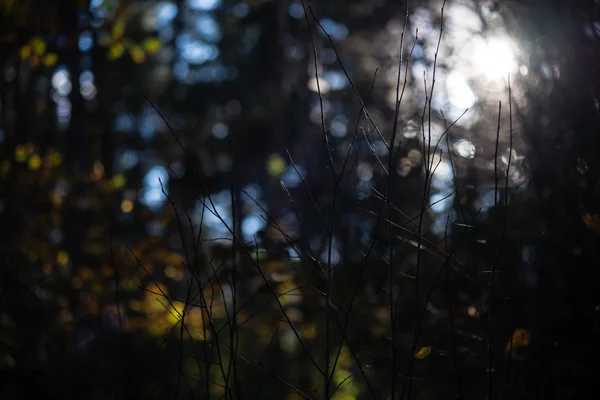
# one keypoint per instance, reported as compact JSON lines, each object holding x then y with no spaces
{"x":495,"y":58}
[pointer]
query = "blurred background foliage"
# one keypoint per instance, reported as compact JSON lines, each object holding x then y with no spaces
{"x":137,"y":138}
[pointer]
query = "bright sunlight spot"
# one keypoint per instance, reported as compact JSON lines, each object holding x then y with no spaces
{"x":495,"y":58}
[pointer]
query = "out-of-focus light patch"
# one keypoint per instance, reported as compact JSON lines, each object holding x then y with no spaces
{"x":96,"y":4}
{"x":85,"y":41}
{"x":252,"y":193}
{"x":215,"y":227}
{"x":147,"y":126}
{"x":514,"y":157}
{"x":315,"y":111}
{"x":63,"y":108}
{"x":124,"y":122}
{"x":592,"y":30}
{"x":223,"y":162}
{"x":294,"y":52}
{"x":335,"y":79}
{"x":166,"y":34}
{"x":61,"y":81}
{"x":364,"y":171}
{"x":464,"y":148}
{"x":442,"y":174}
{"x":363,"y":192}
{"x":10,"y":73}
{"x":460,"y":95}
{"x":151,"y":194}
{"x":208,"y":28}
{"x":338,"y":126}
{"x":164,"y":13}
{"x":291,"y":178}
{"x":35,"y":162}
{"x":181,"y":70}
{"x":435,"y":133}
{"x":415,"y":157}
{"x":463,"y":22}
{"x":328,"y":56}
{"x":128,"y":159}
{"x":295,"y":10}
{"x":62,"y":188}
{"x":528,"y":254}
{"x":194,"y":51}
{"x":471,"y":311}
{"x":321,"y":85}
{"x":417,"y":70}
{"x":337,"y":31}
{"x":486,"y":200}
{"x":421,"y":18}
{"x":155,"y":228}
{"x":440,"y":202}
{"x":98,"y":170}
{"x":102,"y":8}
{"x":417,"y":52}
{"x":127,"y":206}
{"x":293,"y":253}
{"x":440,"y":225}
{"x":546,"y":69}
{"x":170,"y":272}
{"x":233,"y":107}
{"x":220,"y":130}
{"x":251,"y":225}
{"x":411,"y":129}
{"x":204,"y":5}
{"x":62,"y":257}
{"x":523,"y":70}
{"x":88,"y":90}
{"x":335,"y":257}
{"x":86,"y":76}
{"x":240,"y":10}
{"x":211,"y":73}
{"x":495,"y":58}
{"x":380,"y":148}
{"x":275,"y":165}
{"x":56,"y":236}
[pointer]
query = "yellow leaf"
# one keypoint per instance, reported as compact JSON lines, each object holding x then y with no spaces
{"x":520,"y":338}
{"x":118,"y":29}
{"x":35,"y":161}
{"x":25,"y":52}
{"x":130,"y":283}
{"x":423,"y":352}
{"x":21,"y":154}
{"x":275,"y":165}
{"x":152,"y":45}
{"x":175,"y":313}
{"x":309,"y":331}
{"x":55,"y":159}
{"x":118,"y":181}
{"x":105,"y":40}
{"x":137,"y":54}
{"x":50,"y":59}
{"x":62,"y":257}
{"x":38,"y":45}
{"x":5,"y":168}
{"x":591,"y":222}
{"x":116,"y":51}
{"x":170,"y":272}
